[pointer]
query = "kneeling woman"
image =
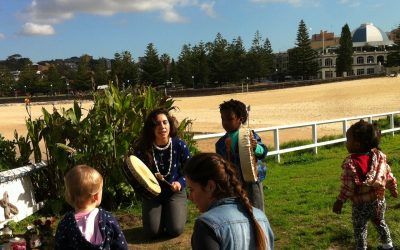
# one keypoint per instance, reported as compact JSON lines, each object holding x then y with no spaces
{"x":228,"y":221}
{"x":164,"y":154}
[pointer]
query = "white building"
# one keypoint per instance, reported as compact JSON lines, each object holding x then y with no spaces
{"x":370,"y":46}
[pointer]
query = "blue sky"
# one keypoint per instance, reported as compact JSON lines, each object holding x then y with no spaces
{"x":52,"y":29}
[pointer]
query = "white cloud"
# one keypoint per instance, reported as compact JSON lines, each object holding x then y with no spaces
{"x":291,"y":2}
{"x":208,"y":8}
{"x":173,"y":17}
{"x":2,"y":36}
{"x":350,"y":3}
{"x":51,"y":12}
{"x":33,"y":29}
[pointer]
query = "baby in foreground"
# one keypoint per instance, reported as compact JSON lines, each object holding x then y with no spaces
{"x":87,"y":226}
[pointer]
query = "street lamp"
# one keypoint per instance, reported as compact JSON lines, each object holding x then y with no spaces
{"x":193,"y":81}
{"x":67,"y":88}
{"x":25,"y":89}
{"x":51,"y":89}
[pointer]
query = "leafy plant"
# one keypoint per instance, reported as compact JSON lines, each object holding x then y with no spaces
{"x":101,"y":139}
{"x":9,"y":158}
{"x":7,"y":154}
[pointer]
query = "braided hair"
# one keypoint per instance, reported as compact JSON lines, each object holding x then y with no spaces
{"x":211,"y":166}
{"x":367,"y":134}
{"x":235,"y":106}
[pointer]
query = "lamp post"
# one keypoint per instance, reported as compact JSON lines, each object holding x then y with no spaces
{"x":193,"y":81}
{"x":25,"y":89}
{"x":67,"y":88}
{"x":51,"y":89}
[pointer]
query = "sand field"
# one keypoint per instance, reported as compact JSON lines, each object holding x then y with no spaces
{"x":268,"y":108}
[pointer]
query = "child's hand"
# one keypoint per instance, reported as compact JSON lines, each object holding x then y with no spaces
{"x":337,"y":206}
{"x":253,"y":143}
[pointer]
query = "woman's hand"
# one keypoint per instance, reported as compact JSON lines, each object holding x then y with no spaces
{"x":175,"y":186}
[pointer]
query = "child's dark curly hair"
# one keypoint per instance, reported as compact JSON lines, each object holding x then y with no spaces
{"x":367,"y":134}
{"x":235,"y":106}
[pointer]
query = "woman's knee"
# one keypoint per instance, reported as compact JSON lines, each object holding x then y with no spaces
{"x":174,"y":230}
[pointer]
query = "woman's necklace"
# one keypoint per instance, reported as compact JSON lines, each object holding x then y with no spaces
{"x":170,"y":156}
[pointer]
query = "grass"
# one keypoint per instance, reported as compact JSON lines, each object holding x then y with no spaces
{"x":299,"y":194}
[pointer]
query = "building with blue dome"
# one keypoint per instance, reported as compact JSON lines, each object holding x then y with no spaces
{"x":370,"y":45}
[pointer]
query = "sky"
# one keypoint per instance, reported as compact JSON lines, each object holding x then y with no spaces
{"x":60,"y":29}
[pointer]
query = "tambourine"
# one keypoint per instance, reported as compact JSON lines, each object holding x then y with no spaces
{"x":141,"y":178}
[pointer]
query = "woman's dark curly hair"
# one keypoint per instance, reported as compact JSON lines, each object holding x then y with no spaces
{"x":147,"y":136}
{"x":235,"y":106}
{"x":367,"y":134}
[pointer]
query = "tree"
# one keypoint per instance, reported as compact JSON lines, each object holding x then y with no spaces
{"x":29,"y":81}
{"x":185,"y":67}
{"x":393,"y":58}
{"x":259,"y":58}
{"x":254,"y":58}
{"x":152,"y":71}
{"x":54,"y":78}
{"x":302,"y":58}
{"x":100,"y":72}
{"x":17,"y":62}
{"x":173,"y":72}
{"x":165,"y":61}
{"x":7,"y":84}
{"x":124,"y":70}
{"x":237,"y":58}
{"x":218,"y":60}
{"x":344,"y":60}
{"x":83,"y":81}
{"x":200,"y":63}
{"x":267,"y":58}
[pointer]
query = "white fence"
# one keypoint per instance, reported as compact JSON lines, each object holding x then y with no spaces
{"x":17,"y":194}
{"x":314,"y":128}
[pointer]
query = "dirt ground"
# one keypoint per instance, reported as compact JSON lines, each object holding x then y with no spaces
{"x":268,"y":108}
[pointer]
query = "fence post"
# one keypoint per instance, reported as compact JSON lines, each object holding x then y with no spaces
{"x":344,"y":128}
{"x":315,"y":137}
{"x":276,"y":145}
{"x":392,"y":123}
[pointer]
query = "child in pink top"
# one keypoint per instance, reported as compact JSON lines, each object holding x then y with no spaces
{"x":87,"y":227}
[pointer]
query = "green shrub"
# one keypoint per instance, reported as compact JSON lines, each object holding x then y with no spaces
{"x":7,"y":154}
{"x":101,"y":139}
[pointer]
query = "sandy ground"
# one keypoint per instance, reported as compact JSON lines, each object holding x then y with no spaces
{"x":268,"y":108}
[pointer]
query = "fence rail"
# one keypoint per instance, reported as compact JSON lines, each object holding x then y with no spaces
{"x":314,"y":126}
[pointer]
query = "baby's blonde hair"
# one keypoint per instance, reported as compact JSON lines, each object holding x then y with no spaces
{"x":81,"y":183}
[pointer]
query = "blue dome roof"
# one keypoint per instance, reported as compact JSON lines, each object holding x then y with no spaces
{"x":368,"y":33}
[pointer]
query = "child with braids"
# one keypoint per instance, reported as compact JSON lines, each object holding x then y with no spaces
{"x":228,"y":221}
{"x":365,"y":177}
{"x":233,"y":115}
